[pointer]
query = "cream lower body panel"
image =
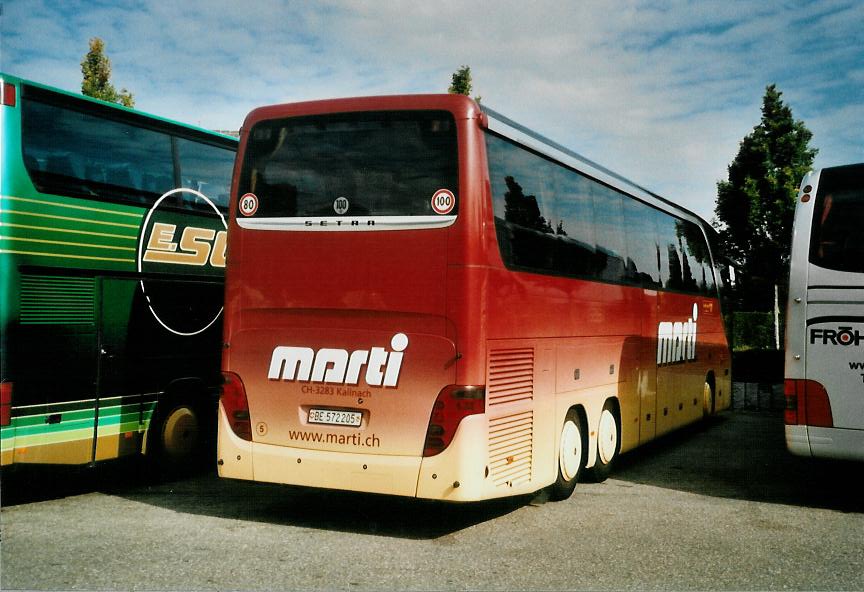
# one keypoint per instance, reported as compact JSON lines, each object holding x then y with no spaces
{"x":825,"y":442}
{"x":797,"y":440}
{"x":396,"y":475}
{"x":461,"y":473}
{"x":239,"y":459}
{"x":458,"y":474}
{"x":233,"y":454}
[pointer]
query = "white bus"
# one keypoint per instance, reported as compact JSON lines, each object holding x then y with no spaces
{"x":824,"y":383}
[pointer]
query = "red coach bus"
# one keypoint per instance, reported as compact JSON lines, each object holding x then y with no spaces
{"x":425,"y":299}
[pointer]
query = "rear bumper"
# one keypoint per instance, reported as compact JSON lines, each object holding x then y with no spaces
{"x":396,"y":475}
{"x":797,"y":440}
{"x":458,"y":474}
{"x":239,"y":459}
{"x":834,"y":443}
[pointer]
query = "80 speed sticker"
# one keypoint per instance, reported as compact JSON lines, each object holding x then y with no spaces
{"x":248,"y":204}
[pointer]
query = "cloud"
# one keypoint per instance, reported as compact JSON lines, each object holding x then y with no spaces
{"x":658,"y":91}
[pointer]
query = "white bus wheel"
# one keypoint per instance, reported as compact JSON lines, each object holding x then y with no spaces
{"x":608,"y":443}
{"x":571,"y":456}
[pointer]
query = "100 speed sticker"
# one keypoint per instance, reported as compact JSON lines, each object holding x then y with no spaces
{"x":443,"y":202}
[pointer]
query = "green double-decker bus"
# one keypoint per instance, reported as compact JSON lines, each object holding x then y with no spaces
{"x":112,"y":259}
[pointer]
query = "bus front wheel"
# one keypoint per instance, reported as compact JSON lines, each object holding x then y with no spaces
{"x":571,"y":456}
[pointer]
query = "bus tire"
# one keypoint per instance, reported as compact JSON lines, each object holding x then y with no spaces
{"x":708,"y":402}
{"x":180,"y":433}
{"x":608,"y":443}
{"x":175,"y":439}
{"x":571,"y":456}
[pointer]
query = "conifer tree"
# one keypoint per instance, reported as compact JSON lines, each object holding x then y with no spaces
{"x":461,"y":82}
{"x":96,"y":68}
{"x":756,"y":204}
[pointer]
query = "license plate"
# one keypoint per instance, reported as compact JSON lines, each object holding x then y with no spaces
{"x":335,"y":417}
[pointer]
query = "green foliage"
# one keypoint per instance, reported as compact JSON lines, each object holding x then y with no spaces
{"x":756,"y":205}
{"x":752,"y":330}
{"x":461,"y":82}
{"x":96,"y":68}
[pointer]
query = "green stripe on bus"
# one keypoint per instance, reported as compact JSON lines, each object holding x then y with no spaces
{"x":113,"y":420}
{"x":41,"y":419}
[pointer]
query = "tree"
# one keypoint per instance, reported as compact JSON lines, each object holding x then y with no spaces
{"x":96,"y":68}
{"x":756,"y":205}
{"x":461,"y":82}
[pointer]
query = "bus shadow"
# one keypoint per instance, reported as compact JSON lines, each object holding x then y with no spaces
{"x":321,"y":509}
{"x":204,"y":493}
{"x":742,"y":455}
{"x":26,"y":484}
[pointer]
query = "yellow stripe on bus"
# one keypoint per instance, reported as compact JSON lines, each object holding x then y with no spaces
{"x":82,"y":220}
{"x":38,"y":254}
{"x":66,"y":243}
{"x":71,"y":231}
{"x":62,"y":205}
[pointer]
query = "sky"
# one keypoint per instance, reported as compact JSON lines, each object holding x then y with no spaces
{"x":661,"y":92}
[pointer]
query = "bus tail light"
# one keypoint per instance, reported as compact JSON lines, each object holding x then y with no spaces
{"x":9,"y":99}
{"x":807,"y":403}
{"x":236,"y":405}
{"x":790,"y":392}
{"x":454,"y":403}
{"x":5,"y":403}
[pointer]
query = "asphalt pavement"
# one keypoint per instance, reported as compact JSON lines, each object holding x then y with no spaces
{"x":717,"y":506}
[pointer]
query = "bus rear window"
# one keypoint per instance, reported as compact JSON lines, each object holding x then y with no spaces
{"x":837,"y":238}
{"x":388,"y":163}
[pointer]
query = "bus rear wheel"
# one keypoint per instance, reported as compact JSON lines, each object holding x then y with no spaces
{"x":176,"y":436}
{"x":608,"y":443}
{"x":707,"y":399}
{"x":571,"y":456}
{"x":180,"y":433}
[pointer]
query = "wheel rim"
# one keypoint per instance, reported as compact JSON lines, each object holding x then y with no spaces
{"x":707,"y":398}
{"x":607,"y":437}
{"x":181,"y":432}
{"x":570,"y":453}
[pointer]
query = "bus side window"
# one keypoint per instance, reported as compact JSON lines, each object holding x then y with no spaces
{"x":157,"y":184}
{"x":31,"y":163}
{"x":119,"y":176}
{"x":60,"y":164}
{"x":95,"y":173}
